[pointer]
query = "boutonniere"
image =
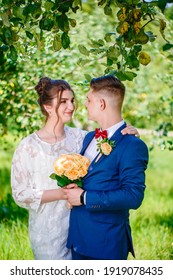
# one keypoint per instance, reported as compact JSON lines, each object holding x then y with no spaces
{"x":105,"y":146}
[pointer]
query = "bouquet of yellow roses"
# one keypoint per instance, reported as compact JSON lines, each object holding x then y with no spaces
{"x":70,"y":168}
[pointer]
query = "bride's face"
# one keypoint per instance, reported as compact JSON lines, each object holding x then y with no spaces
{"x":66,"y":107}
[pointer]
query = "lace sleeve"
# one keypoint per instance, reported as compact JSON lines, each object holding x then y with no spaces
{"x":24,"y":192}
{"x":79,"y":136}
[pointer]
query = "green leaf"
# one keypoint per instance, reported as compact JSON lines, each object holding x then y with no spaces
{"x":107,"y":10}
{"x":151,"y":36}
{"x":15,"y":36}
{"x":65,"y":40}
{"x":62,"y":181}
{"x":113,"y":53}
{"x":167,"y":47}
{"x":79,"y":183}
{"x":101,"y":2}
{"x":76,"y":3}
{"x":48,"y":5}
{"x":88,"y":77}
{"x":108,"y":36}
{"x":82,"y":61}
{"x":162,"y":4}
{"x":13,"y":53}
{"x":5,"y":19}
{"x":57,"y":45}
{"x":18,"y":12}
{"x":132,"y":62}
{"x":2,"y":58}
{"x":123,"y":76}
{"x":109,"y":61}
{"x":53,"y":176}
{"x":46,"y":24}
{"x":33,"y":9}
{"x":63,"y":22}
{"x":72,"y":22}
{"x":83,"y":50}
{"x":4,"y":48}
{"x":29,"y":35}
{"x":142,"y":37}
{"x":7,"y":34}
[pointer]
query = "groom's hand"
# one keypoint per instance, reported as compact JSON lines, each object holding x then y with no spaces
{"x":73,"y":196}
{"x":71,"y":186}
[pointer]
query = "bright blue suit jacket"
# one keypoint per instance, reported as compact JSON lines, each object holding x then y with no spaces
{"x":114,"y":184}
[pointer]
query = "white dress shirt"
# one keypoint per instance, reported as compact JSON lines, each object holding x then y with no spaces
{"x":91,"y":151}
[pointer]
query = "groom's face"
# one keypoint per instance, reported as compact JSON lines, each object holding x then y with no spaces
{"x":93,"y":105}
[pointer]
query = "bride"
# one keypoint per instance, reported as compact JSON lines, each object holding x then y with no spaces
{"x":32,"y":164}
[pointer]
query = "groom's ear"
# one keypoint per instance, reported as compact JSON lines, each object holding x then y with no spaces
{"x":102,"y":104}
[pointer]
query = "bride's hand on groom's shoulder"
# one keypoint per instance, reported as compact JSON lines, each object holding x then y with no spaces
{"x":129,"y":129}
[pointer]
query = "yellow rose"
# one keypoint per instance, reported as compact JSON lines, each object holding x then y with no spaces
{"x":106,"y":148}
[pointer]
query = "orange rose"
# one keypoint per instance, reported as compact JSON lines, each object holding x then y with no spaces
{"x":68,"y":165}
{"x":58,"y":167}
{"x":72,"y":174}
{"x":73,"y":167}
{"x":83,"y":171}
{"x":106,"y":148}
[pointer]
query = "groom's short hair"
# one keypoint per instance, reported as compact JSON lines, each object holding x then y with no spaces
{"x":109,"y":83}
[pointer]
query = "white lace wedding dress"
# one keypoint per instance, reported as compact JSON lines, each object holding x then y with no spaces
{"x":31,"y":167}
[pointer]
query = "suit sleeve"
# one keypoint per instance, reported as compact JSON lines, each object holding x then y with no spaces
{"x":130,"y":192}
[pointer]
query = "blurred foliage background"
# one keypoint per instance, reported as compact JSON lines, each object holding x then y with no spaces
{"x":78,"y":40}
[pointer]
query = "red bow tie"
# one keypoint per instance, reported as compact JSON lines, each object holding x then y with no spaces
{"x":99,"y":133}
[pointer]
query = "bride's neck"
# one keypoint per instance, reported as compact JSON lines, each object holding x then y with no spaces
{"x":51,"y":132}
{"x":55,"y":130}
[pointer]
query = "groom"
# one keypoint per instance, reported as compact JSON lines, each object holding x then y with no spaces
{"x":115,"y":183}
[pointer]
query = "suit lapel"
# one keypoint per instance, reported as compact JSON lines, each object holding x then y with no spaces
{"x":87,"y":141}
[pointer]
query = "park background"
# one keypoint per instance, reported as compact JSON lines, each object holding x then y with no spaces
{"x":85,"y":45}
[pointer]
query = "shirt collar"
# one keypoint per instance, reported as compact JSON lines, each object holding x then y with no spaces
{"x":111,"y":130}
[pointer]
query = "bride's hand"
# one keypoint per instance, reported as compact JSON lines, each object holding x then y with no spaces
{"x":129,"y":129}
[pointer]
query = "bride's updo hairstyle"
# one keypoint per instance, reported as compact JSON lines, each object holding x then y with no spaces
{"x":48,"y":89}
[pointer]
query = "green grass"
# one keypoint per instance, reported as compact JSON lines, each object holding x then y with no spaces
{"x":14,"y":239}
{"x":152,"y":223}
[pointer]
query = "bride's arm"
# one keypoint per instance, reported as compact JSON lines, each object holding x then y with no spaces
{"x":25,"y":190}
{"x":59,"y":194}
